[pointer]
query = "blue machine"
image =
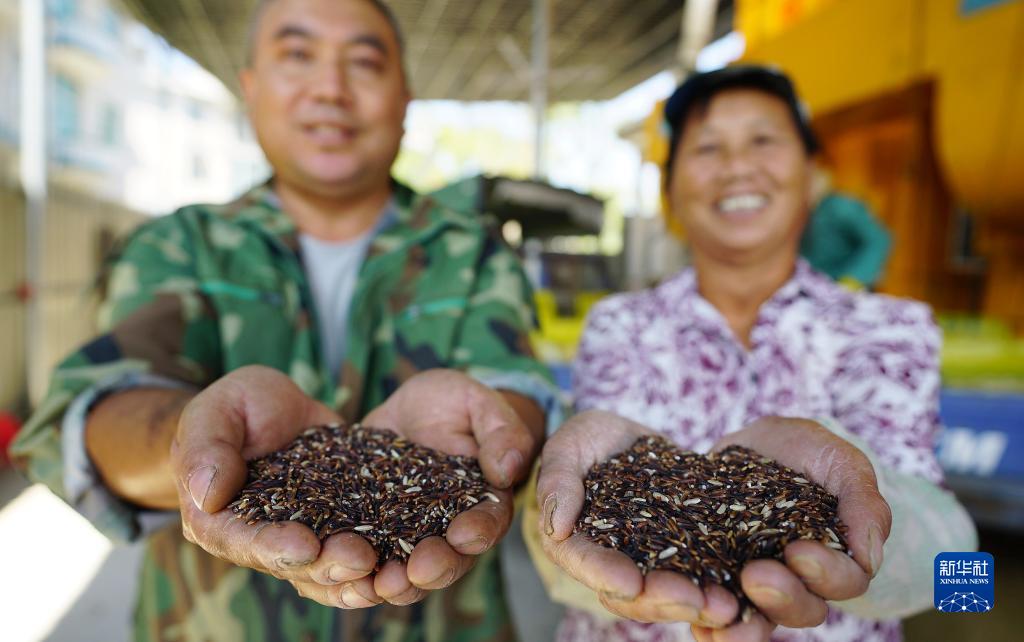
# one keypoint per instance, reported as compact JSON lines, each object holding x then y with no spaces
{"x":982,"y":452}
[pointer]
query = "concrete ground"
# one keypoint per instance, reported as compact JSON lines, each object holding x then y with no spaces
{"x":76,"y":587}
{"x":63,"y":582}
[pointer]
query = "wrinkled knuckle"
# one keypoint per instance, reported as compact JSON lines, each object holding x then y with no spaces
{"x":300,"y":589}
{"x":549,"y":548}
{"x":616,"y":609}
{"x":886,"y":511}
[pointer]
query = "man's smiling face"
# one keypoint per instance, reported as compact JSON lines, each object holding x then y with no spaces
{"x":326,"y":94}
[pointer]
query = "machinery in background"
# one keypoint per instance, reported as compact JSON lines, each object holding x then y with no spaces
{"x":541,"y":221}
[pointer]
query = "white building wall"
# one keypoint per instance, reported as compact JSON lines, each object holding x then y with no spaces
{"x":170,"y":112}
{"x":179,"y":139}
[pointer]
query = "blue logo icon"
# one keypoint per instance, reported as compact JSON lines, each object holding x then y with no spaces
{"x":965,"y":582}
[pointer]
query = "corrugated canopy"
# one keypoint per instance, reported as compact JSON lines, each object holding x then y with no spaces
{"x":471,"y":49}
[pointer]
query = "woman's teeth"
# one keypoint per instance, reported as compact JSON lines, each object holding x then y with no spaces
{"x":742,"y":202}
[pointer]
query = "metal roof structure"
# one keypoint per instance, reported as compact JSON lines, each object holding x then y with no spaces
{"x":471,"y":49}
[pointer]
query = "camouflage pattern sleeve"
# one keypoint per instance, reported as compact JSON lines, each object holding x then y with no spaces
{"x":492,"y":344}
{"x":156,"y":310}
{"x":152,"y":321}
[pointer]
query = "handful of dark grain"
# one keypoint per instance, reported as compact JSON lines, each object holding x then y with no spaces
{"x":704,"y":516}
{"x":340,"y":478}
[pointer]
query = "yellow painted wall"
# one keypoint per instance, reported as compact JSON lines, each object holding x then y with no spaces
{"x":978,"y":62}
{"x":849,"y":51}
{"x":764,"y":20}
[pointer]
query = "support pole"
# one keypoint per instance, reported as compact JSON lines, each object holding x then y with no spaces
{"x":32,"y":161}
{"x":696,"y":31}
{"x":539,"y":81}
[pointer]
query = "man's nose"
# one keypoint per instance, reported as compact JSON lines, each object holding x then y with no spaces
{"x":331,"y":84}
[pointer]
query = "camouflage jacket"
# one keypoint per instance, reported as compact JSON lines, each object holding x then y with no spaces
{"x":209,"y":289}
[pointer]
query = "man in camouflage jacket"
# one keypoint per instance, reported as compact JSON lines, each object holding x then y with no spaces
{"x":211,"y":354}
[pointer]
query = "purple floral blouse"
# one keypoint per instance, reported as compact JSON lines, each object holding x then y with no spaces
{"x":666,"y":358}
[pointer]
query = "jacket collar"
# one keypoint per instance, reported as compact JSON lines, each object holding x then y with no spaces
{"x":413,"y":218}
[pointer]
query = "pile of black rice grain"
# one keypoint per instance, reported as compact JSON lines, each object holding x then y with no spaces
{"x":704,"y":516}
{"x":340,"y":478}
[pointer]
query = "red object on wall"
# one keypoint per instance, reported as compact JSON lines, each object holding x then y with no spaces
{"x":9,"y":426}
{"x":23,"y":291}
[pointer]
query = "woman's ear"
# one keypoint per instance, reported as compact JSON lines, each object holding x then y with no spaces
{"x":819,"y":182}
{"x":673,"y":222}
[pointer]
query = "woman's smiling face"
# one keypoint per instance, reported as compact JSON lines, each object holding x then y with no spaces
{"x":742,"y":176}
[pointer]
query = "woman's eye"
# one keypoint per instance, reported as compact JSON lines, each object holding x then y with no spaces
{"x":764,"y":140}
{"x":707,"y":148}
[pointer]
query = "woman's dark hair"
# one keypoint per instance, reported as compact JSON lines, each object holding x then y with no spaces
{"x":697,"y":91}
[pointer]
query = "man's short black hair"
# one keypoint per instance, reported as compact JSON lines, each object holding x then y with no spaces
{"x":261,"y":6}
{"x":697,"y":91}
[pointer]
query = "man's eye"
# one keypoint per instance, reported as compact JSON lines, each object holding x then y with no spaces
{"x":707,"y":148}
{"x":370,"y":64}
{"x":298,"y":55}
{"x":764,"y":139}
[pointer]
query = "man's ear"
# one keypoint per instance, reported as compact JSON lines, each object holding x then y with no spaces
{"x":246,"y":80}
{"x":407,"y":100}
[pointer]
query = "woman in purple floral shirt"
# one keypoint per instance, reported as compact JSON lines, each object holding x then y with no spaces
{"x":751,"y":346}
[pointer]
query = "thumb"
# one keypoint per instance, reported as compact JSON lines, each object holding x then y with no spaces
{"x":846,"y":472}
{"x":560,"y":492}
{"x":585,"y":440}
{"x":207,"y":454}
{"x":246,"y":414}
{"x":506,"y":444}
{"x":865,"y":512}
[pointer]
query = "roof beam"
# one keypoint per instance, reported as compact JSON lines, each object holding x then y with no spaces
{"x":450,"y":52}
{"x":430,"y":18}
{"x":563,"y":49}
{"x":208,"y":40}
{"x":465,"y":55}
{"x":633,"y":50}
{"x":483,"y":85}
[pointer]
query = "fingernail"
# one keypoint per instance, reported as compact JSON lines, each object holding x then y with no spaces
{"x":352,"y":598}
{"x":199,"y":483}
{"x":473,"y":546}
{"x":809,"y":568}
{"x":408,"y":597}
{"x":372,"y":599}
{"x":875,"y":543}
{"x":445,"y":578}
{"x":510,"y":464}
{"x":339,"y":573}
{"x":285,"y":563}
{"x":769,"y":594}
{"x":349,"y":597}
{"x":550,"y":504}
{"x":357,"y":569}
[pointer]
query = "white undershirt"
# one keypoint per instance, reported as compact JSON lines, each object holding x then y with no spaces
{"x":332,"y":268}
